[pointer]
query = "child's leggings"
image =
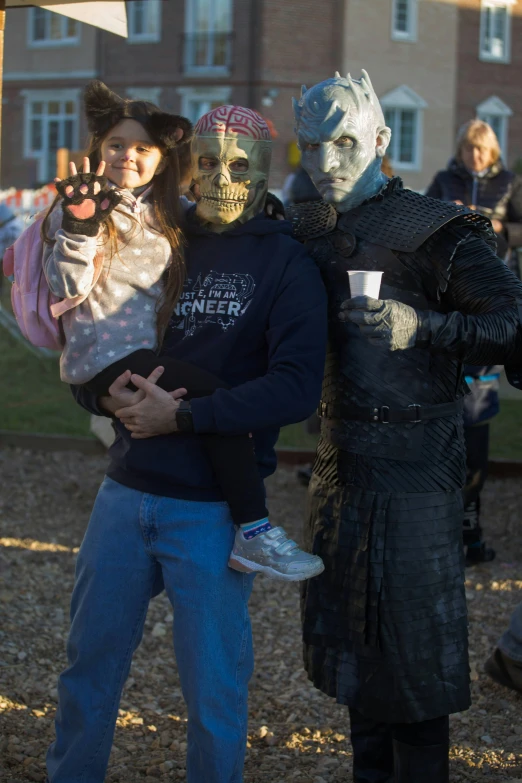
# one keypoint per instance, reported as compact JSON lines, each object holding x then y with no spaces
{"x":232,"y":456}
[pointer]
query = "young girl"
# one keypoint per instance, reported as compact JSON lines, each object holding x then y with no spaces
{"x":116,"y":242}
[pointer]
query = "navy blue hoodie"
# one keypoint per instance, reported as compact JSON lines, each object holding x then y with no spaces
{"x":253,"y":312}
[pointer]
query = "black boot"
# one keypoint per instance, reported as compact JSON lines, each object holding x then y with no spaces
{"x":304,"y":475}
{"x":372,"y":750}
{"x":421,"y":764}
{"x":504,"y":670}
{"x":476,"y":550}
{"x":480,"y":553}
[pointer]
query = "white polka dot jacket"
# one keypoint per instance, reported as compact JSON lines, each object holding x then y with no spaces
{"x":119,"y":314}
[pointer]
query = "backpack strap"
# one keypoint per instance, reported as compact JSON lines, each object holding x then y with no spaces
{"x":65,"y":305}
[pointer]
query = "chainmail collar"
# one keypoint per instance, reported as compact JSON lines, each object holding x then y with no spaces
{"x":392,"y":186}
{"x":312,"y":219}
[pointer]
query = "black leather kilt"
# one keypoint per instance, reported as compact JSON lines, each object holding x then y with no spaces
{"x":385,"y":625}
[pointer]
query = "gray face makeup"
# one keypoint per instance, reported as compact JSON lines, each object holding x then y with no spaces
{"x":343,"y":137}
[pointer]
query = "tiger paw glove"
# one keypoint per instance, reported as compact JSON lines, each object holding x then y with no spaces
{"x":87,"y":201}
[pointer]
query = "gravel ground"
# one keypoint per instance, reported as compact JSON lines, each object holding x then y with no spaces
{"x":296,"y":733}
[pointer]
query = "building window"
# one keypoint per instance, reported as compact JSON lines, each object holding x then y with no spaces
{"x":51,"y":122}
{"x":197,"y":101}
{"x":208,"y":36}
{"x":49,"y":29}
{"x":495,"y":30}
{"x":496,"y":113}
{"x":403,"y":112}
{"x":144,"y":20}
{"x":151,"y":94}
{"x":404,"y":20}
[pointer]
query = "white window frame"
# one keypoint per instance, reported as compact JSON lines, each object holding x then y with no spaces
{"x":45,"y":96}
{"x":190,"y":30}
{"x":189,"y":95}
{"x":404,"y":98}
{"x":151,"y":94}
{"x":409,"y":35}
{"x":154,"y":9}
{"x":48,"y":43}
{"x":485,"y":55}
{"x":494,"y":107}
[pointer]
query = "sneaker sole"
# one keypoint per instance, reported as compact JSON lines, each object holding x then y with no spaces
{"x":248,"y":567}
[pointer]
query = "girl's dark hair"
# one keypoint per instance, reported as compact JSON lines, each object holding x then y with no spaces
{"x":104,"y":110}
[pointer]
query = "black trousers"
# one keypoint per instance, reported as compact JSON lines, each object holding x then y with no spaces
{"x":477,"y":453}
{"x":232,"y":456}
{"x":372,"y":743}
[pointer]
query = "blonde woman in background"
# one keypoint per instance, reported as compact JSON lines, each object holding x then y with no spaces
{"x":477,"y":178}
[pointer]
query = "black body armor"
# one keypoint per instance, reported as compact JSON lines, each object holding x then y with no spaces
{"x":385,"y":627}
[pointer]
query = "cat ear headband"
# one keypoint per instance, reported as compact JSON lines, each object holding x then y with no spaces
{"x":104,"y":109}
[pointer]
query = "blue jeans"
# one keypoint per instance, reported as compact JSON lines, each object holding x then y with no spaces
{"x":130,"y":535}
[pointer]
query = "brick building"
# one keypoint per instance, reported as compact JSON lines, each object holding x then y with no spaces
{"x":191,"y":55}
{"x":490,"y":70}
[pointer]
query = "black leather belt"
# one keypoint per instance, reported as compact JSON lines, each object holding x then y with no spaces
{"x":384,"y":414}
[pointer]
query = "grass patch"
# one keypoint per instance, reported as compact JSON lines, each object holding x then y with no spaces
{"x":295,"y":437}
{"x":506,"y":431}
{"x":33,"y":398}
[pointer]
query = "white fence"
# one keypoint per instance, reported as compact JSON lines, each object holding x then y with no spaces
{"x":27,"y":203}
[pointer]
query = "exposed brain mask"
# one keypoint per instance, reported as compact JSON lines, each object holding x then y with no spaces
{"x":343,"y":137}
{"x":231,"y":153}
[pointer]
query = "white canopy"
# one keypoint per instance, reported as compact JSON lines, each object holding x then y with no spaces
{"x":108,"y":14}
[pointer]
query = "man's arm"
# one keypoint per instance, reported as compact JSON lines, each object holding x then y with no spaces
{"x":89,"y":401}
{"x":483,"y":326}
{"x":296,"y":339}
{"x":119,"y":396}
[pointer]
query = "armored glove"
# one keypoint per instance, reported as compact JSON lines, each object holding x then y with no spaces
{"x":387,"y":323}
{"x":87,"y":201}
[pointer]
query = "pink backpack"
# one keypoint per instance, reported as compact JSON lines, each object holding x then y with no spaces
{"x":37,"y":309}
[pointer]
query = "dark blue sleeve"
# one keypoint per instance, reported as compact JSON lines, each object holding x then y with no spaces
{"x":88,"y":400}
{"x":434,"y":190}
{"x":296,"y":339}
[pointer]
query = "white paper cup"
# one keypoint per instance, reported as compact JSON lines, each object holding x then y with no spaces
{"x":365,"y":283}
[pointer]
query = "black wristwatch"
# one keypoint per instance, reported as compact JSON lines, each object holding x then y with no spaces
{"x":184,"y":417}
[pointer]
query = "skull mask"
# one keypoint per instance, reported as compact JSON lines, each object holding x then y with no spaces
{"x":231,"y":153}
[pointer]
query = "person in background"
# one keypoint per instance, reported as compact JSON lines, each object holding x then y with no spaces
{"x":10,"y":229}
{"x":300,"y":189}
{"x":477,"y":178}
{"x":479,"y":408}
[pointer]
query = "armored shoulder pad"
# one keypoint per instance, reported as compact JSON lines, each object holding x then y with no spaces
{"x":311,"y":219}
{"x":404,"y":219}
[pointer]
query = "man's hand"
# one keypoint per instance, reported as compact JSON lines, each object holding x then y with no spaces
{"x":498,"y":228}
{"x":154,"y":414}
{"x":122,"y":397}
{"x":387,"y":323}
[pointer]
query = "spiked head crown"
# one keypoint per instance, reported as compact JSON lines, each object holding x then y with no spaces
{"x":333,"y":99}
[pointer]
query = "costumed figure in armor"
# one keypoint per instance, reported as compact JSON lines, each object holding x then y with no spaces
{"x":385,"y":626}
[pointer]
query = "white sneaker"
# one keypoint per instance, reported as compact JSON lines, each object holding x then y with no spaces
{"x":275,"y":555}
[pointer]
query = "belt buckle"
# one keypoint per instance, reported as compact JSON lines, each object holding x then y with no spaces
{"x":384,"y":416}
{"x":418,"y":420}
